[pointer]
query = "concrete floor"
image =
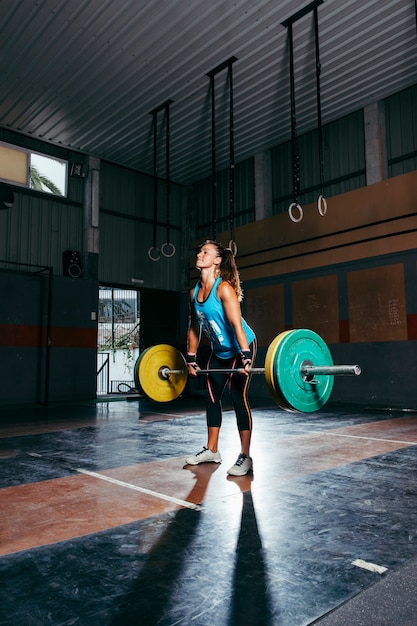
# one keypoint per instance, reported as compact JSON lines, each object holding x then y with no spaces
{"x":103,"y":524}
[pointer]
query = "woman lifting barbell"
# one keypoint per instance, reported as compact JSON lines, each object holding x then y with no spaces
{"x":215,"y":310}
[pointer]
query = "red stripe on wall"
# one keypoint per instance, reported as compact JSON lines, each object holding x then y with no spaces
{"x":74,"y":337}
{"x":412,"y":326}
{"x":19,"y":335}
{"x":27,"y":336}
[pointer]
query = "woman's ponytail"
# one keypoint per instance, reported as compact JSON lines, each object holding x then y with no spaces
{"x":229,"y":271}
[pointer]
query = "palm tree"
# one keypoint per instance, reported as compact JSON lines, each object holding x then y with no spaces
{"x":40,"y":182}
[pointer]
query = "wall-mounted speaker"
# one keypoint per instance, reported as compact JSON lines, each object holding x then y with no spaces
{"x":78,"y":170}
{"x":71,"y":263}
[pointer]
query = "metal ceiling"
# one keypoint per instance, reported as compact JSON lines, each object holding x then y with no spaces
{"x":86,"y":74}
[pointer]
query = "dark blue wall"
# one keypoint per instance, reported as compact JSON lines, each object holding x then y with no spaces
{"x":31,"y":303}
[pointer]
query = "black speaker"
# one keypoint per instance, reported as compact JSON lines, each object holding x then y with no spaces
{"x":71,"y":263}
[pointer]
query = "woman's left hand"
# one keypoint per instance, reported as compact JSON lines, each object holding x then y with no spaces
{"x":246,"y":357}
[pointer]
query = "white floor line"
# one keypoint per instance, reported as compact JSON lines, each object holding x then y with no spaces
{"x":372,"y":567}
{"x":406,"y":443}
{"x":162,"y":496}
{"x":165,"y":414}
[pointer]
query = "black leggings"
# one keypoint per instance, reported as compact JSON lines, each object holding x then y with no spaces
{"x":238,"y":386}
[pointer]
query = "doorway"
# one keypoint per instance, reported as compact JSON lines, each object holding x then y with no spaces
{"x":118,"y":339}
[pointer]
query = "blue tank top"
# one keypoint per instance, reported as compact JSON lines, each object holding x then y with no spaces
{"x":213,"y":322}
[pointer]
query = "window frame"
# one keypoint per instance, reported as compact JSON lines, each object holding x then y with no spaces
{"x":27,"y":183}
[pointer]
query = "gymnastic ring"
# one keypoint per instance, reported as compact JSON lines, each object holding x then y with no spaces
{"x":167,"y":243}
{"x":297,"y":206}
{"x":322,"y":205}
{"x":233,"y":247}
{"x":153,"y":258}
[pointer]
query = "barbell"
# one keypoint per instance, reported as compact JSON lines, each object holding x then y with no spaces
{"x":299,"y":371}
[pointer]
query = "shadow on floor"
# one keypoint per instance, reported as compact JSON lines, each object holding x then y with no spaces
{"x":251,"y":602}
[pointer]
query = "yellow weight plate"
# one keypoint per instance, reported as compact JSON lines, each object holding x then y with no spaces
{"x":151,"y":381}
{"x":270,"y":370}
{"x":136,"y":372}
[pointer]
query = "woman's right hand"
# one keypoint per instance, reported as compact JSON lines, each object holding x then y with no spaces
{"x":192,"y":364}
{"x":192,"y":369}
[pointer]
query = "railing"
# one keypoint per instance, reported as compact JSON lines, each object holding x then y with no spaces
{"x":103,"y":373}
{"x":122,"y":386}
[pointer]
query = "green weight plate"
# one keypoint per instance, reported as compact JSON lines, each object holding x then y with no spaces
{"x":293,"y":350}
{"x":149,"y":366}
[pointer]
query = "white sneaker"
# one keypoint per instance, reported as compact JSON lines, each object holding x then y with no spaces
{"x":242,"y":466}
{"x":204,"y":456}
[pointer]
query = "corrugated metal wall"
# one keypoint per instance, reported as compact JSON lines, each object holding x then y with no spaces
{"x":343,"y":163}
{"x":344,"y":153}
{"x":244,"y":201}
{"x":401,"y":123}
{"x":128,"y":229}
{"x":40,"y":226}
{"x":39,"y":229}
{"x":87,"y":74}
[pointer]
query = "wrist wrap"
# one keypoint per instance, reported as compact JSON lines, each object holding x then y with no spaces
{"x":190,"y":359}
{"x":246,"y":357}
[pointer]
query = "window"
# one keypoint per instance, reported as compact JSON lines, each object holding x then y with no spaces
{"x":33,"y":170}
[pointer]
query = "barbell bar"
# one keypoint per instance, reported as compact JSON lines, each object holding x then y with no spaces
{"x":165,"y":372}
{"x":307,"y":371}
{"x":299,"y":371}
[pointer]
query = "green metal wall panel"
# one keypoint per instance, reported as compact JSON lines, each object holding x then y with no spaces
{"x":244,"y":200}
{"x":401,"y":130}
{"x":129,"y":229}
{"x":343,"y":163}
